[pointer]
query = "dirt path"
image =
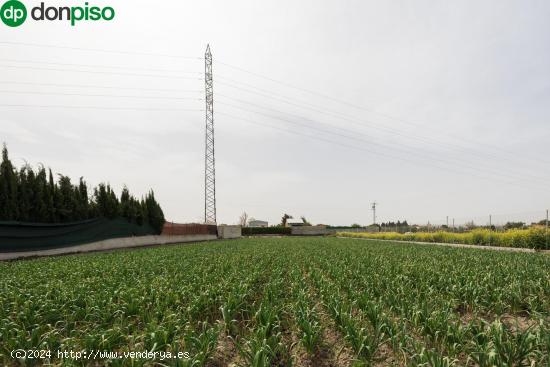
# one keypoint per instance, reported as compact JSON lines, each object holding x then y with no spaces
{"x":460,"y":245}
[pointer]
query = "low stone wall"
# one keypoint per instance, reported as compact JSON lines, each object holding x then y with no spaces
{"x":112,"y":244}
{"x":227,"y":232}
{"x":309,"y":231}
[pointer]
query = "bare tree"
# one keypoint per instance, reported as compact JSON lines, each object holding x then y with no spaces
{"x":243,"y":219}
{"x":284,"y":219}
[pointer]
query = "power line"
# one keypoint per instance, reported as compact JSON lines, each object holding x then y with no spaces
{"x":280,"y":82}
{"x":289,"y":85}
{"x":358,"y":122}
{"x":312,"y":107}
{"x":100,"y":72}
{"x":386,"y":154}
{"x":152,"y":97}
{"x":99,"y":66}
{"x":451,"y":160}
{"x":100,"y":95}
{"x":100,"y":87}
{"x":28,"y":44}
{"x":166,"y":76}
{"x":294,"y":132}
{"x":370,"y":142}
{"x":102,"y":107}
{"x":416,"y":125}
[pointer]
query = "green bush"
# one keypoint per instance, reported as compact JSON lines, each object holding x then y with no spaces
{"x":254,"y":231}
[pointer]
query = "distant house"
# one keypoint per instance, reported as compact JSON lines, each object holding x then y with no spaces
{"x":295,"y":223}
{"x":257,"y":223}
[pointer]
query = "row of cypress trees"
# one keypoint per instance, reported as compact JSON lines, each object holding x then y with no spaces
{"x":27,"y":195}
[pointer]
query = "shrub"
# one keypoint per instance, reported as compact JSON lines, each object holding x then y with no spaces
{"x":254,"y":231}
{"x":534,"y":237}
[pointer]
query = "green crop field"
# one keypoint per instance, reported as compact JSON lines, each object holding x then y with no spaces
{"x":282,"y":301}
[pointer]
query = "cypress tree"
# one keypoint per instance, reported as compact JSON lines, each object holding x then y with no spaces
{"x":8,"y":188}
{"x":67,"y":200}
{"x":154,"y":212}
{"x":50,"y":198}
{"x":125,"y":203}
{"x":26,"y":195}
{"x":100,"y":195}
{"x":40,"y":197}
{"x":113,"y":204}
{"x":3,"y":190}
{"x":134,"y":210}
{"x":78,"y":207}
{"x":84,"y":202}
{"x":143,"y":212}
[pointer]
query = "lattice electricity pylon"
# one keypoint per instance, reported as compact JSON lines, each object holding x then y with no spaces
{"x":209,"y":158}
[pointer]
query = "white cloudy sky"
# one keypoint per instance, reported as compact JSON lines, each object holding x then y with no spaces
{"x":430,"y":108}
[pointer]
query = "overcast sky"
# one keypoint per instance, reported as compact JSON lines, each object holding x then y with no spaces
{"x":430,"y":108}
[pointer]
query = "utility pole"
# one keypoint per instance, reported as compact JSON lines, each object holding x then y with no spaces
{"x":209,"y":158}
{"x":374,"y":213}
{"x":453,"y":224}
{"x":447,"y":222}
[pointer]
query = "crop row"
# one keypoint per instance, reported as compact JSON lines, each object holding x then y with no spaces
{"x":284,"y":301}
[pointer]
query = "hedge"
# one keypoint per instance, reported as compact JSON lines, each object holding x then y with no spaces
{"x":253,"y":231}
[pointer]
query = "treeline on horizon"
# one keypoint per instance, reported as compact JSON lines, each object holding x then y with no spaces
{"x":33,"y":196}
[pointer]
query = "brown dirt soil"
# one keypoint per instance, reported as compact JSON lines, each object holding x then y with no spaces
{"x":226,"y":353}
{"x":334,"y":352}
{"x":386,"y":357}
{"x":515,"y":322}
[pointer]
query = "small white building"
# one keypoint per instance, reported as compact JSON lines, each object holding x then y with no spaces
{"x":257,"y":223}
{"x":295,"y":223}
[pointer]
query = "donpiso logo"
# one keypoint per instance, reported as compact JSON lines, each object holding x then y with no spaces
{"x":14,"y":13}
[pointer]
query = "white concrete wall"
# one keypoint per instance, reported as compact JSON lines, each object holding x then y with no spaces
{"x":229,"y":232}
{"x":111,"y":244}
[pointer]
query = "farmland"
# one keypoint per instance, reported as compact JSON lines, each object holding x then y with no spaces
{"x":534,"y":238}
{"x":284,"y":301}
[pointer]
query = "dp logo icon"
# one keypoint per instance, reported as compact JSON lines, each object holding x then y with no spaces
{"x":13,"y":13}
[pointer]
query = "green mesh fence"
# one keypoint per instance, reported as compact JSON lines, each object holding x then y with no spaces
{"x":16,"y":236}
